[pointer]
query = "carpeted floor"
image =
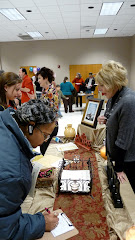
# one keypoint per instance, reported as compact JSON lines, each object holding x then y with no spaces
{"x":86,"y":212}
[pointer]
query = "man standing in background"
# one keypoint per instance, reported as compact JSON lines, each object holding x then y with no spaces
{"x":90,"y":83}
{"x":27,"y":88}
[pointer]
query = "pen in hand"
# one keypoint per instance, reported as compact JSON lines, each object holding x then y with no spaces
{"x":54,"y":213}
{"x":51,"y":220}
{"x":47,"y":210}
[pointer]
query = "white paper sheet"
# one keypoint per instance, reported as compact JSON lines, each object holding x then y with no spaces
{"x":76,"y":174}
{"x":35,"y":171}
{"x":66,"y":147}
{"x":70,"y":178}
{"x":37,"y":149}
{"x":64,"y":225}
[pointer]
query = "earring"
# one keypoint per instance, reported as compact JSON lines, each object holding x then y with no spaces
{"x":30,"y":129}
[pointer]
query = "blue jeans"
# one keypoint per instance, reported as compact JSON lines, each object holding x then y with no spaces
{"x":88,"y":91}
{"x":59,"y":112}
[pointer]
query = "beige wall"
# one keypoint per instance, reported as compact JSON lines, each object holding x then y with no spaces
{"x":65,"y":53}
{"x":132,"y":77}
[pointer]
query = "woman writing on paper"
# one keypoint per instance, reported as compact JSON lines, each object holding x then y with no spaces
{"x":30,"y":125}
{"x":119,"y":118}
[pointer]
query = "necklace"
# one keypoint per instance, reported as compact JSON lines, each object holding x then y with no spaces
{"x":110,"y":108}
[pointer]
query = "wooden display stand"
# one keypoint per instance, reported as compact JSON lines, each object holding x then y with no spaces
{"x":96,"y":136}
{"x":83,"y":141}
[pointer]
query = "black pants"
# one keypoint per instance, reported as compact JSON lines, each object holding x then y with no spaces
{"x":80,"y":100}
{"x":45,"y":145}
{"x":129,"y":169}
{"x":68,"y":102}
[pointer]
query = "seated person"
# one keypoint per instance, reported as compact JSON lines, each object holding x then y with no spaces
{"x":30,"y":125}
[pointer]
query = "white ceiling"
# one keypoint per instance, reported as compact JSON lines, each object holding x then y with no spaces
{"x":66,"y":19}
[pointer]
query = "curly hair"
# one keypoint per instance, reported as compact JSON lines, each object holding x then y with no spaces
{"x":46,"y":73}
{"x":112,"y":75}
{"x":35,"y":110}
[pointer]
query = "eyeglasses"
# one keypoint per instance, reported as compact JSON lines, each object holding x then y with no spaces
{"x":46,"y":137}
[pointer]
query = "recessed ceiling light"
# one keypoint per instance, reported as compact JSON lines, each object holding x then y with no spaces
{"x":90,"y":7}
{"x":110,"y":8}
{"x":132,"y":5}
{"x":35,"y":34}
{"x":28,"y":10}
{"x":100,"y":31}
{"x":11,"y":13}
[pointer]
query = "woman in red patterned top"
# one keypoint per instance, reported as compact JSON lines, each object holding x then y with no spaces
{"x":45,"y":78}
{"x":51,"y":95}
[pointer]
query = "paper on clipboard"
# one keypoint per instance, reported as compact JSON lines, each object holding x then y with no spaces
{"x":64,"y":236}
{"x":64,"y":225}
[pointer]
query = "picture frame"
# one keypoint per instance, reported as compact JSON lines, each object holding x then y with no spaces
{"x":91,"y":112}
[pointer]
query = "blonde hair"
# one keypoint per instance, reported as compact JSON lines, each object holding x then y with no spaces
{"x":112,"y":75}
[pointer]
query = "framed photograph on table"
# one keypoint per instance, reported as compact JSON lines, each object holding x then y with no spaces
{"x":91,"y":112}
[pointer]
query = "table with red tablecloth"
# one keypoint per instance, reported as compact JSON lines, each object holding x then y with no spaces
{"x":86,"y":211}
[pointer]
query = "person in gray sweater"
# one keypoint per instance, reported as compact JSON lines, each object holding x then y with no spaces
{"x":119,"y":118}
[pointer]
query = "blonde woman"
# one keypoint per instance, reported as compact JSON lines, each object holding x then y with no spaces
{"x":119,"y":118}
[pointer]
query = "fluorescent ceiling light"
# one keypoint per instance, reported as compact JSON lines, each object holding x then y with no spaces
{"x":110,"y":8}
{"x":35,"y":34}
{"x":100,"y":31}
{"x":11,"y":13}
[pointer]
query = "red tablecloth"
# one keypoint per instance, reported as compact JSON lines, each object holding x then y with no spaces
{"x":86,"y":212}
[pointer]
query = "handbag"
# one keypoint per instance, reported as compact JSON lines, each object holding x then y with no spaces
{"x":74,"y":92}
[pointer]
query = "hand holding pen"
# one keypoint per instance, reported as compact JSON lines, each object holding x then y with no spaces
{"x":51,"y":220}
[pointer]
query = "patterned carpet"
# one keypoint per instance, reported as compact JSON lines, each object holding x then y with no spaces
{"x":86,"y":212}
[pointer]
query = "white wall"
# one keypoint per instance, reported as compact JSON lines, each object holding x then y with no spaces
{"x":132,"y":78}
{"x":65,"y":53}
